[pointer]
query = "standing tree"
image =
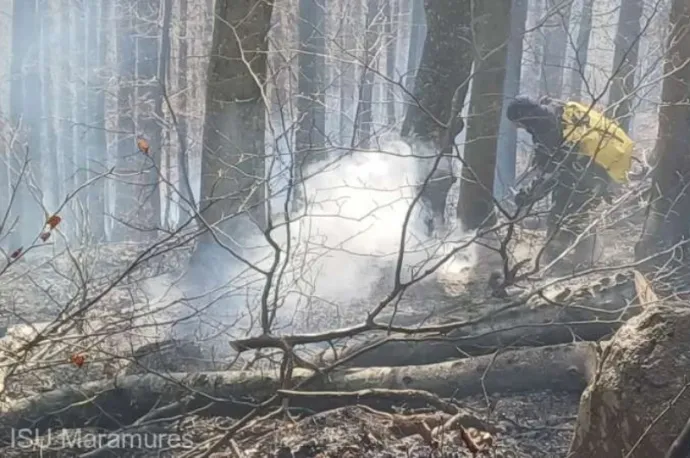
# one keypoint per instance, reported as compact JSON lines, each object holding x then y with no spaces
{"x":577,"y":73}
{"x":417,"y":34}
{"x":182,"y":118}
{"x":555,"y":43}
{"x":625,"y":61}
{"x":391,"y":37}
{"x":667,"y":227}
{"x":25,"y":114}
{"x":125,"y":196}
{"x":53,"y":163}
{"x":507,"y":133}
{"x":97,"y":16}
{"x":364,"y":117}
{"x":148,"y":97}
{"x":233,"y":160}
{"x":310,"y":138}
{"x":491,"y":34}
{"x":445,"y":66}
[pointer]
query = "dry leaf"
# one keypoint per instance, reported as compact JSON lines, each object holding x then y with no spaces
{"x":77,"y":360}
{"x":143,"y":145}
{"x":644,"y":290}
{"x":53,"y":221}
{"x":44,"y":236}
{"x":16,"y":253}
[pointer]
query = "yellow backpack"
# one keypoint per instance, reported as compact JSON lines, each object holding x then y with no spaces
{"x":599,"y":137}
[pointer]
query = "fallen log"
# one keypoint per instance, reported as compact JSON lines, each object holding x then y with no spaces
{"x":122,"y":401}
{"x":589,"y":316}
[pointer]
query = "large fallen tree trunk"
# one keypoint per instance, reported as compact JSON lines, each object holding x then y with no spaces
{"x":583,"y":316}
{"x":122,"y":401}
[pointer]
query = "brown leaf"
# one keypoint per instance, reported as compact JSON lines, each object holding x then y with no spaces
{"x":16,"y":253}
{"x":44,"y":236}
{"x":77,"y":360}
{"x":143,"y":145}
{"x":644,"y":290}
{"x":53,"y":221}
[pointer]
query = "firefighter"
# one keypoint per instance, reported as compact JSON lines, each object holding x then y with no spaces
{"x":577,"y":184}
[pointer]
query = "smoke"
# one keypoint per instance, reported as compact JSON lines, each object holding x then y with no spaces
{"x":334,"y":257}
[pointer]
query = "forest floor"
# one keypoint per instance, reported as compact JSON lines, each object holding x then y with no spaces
{"x":33,"y":293}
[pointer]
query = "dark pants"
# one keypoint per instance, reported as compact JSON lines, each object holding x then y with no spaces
{"x":574,"y":200}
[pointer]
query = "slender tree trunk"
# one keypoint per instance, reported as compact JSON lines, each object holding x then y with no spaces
{"x":365,"y":115}
{"x":492,"y":22}
{"x":417,"y":34}
{"x":80,"y":147}
{"x":25,"y":112}
{"x":148,"y":97}
{"x":310,"y":137}
{"x":668,"y":221}
{"x":555,"y":43}
{"x":625,"y":62}
{"x":163,"y":62}
{"x":391,"y":35}
{"x":184,"y":184}
{"x":507,"y":133}
{"x":126,"y":200}
{"x":348,"y":71}
{"x":577,"y":74}
{"x":233,"y":161}
{"x":96,"y":143}
{"x":50,"y":150}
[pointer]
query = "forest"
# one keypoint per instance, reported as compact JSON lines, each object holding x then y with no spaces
{"x":352,"y":228}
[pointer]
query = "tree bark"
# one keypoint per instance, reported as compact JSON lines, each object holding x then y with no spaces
{"x":492,"y":22}
{"x":577,"y":74}
{"x":445,"y":66}
{"x":555,"y":43}
{"x":507,"y":133}
{"x":564,"y":368}
{"x":233,"y":168}
{"x":125,"y":196}
{"x":25,"y":112}
{"x":625,"y":60}
{"x":96,"y":143}
{"x":310,"y":137}
{"x":148,"y":98}
{"x":666,"y":228}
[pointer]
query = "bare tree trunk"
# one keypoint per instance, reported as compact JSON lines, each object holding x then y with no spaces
{"x":96,"y":144}
{"x":233,"y":161}
{"x":445,"y":67}
{"x":417,"y":34}
{"x":365,"y":116}
{"x":163,"y":62}
{"x":125,"y":194}
{"x":625,"y":62}
{"x":53,"y":163}
{"x":555,"y":43}
{"x":148,"y":96}
{"x":667,"y":225}
{"x":577,"y":74}
{"x":25,"y":111}
{"x":507,"y":133}
{"x":80,"y":147}
{"x":492,"y":32}
{"x":391,"y":35}
{"x":184,"y":184}
{"x":310,"y":138}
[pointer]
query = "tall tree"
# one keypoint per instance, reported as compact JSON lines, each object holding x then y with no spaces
{"x":126,"y":197}
{"x":625,"y":59}
{"x":364,"y":117}
{"x":184,"y":185}
{"x":148,"y":97}
{"x":65,"y":126}
{"x":80,"y":149}
{"x":50,"y":149}
{"x":25,"y":113}
{"x":492,"y":30}
{"x":555,"y":44}
{"x":577,"y":73}
{"x":416,"y":46}
{"x":445,"y":66}
{"x":391,"y":36}
{"x":163,"y":62}
{"x":507,"y":133}
{"x":233,"y":160}
{"x":667,"y":227}
{"x":96,"y":142}
{"x":310,"y":138}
